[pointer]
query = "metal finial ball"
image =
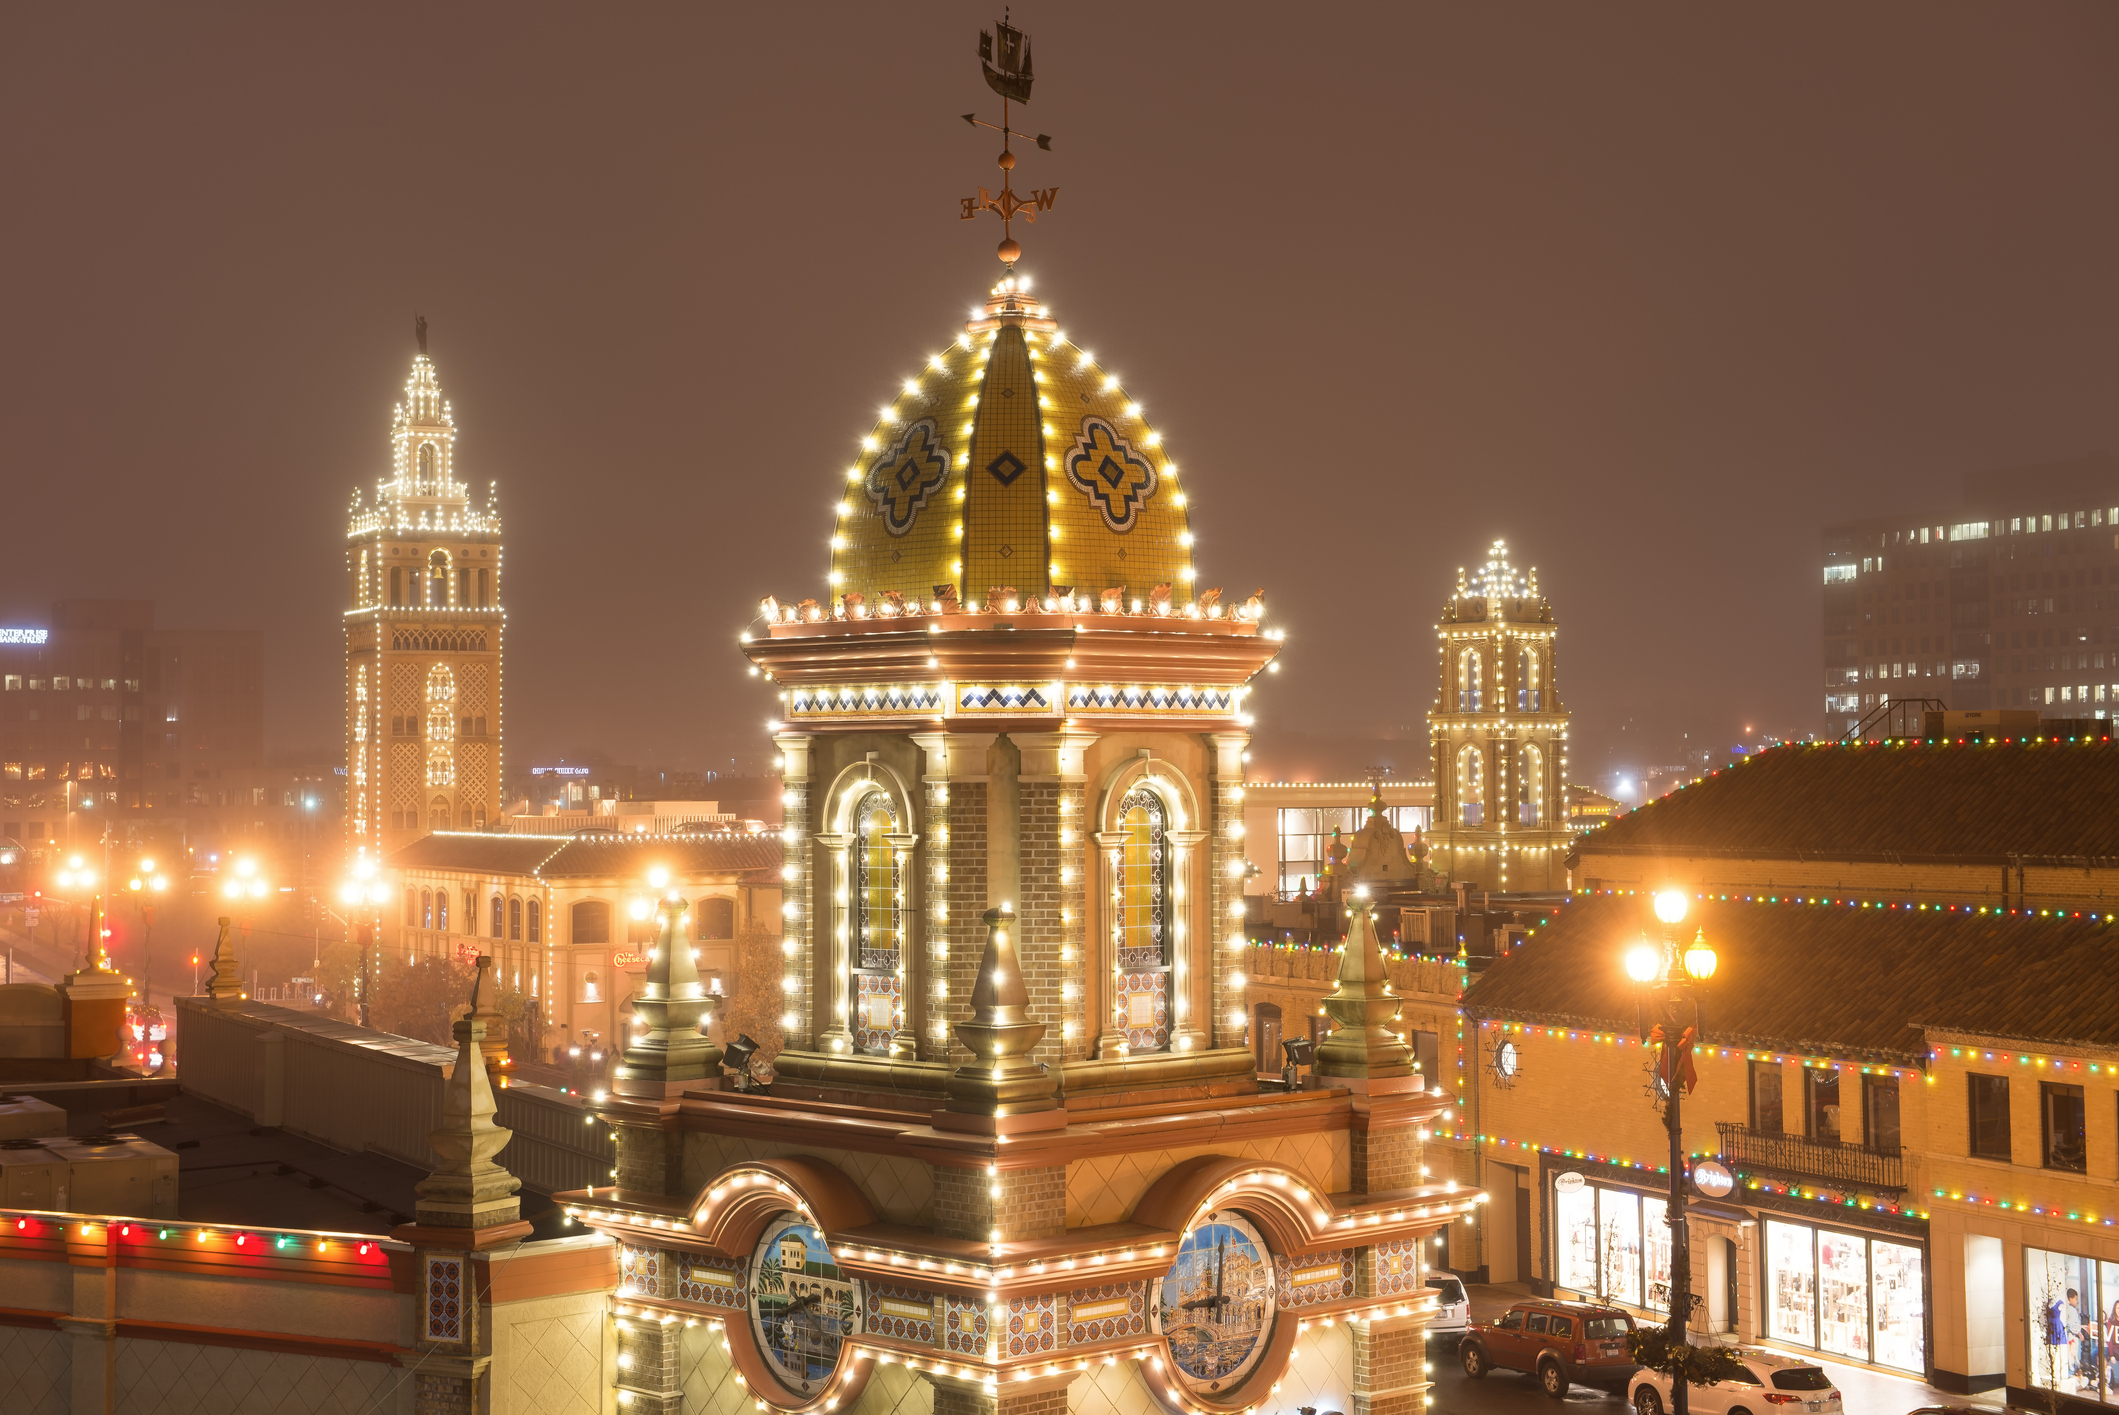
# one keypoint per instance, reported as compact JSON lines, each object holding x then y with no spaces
{"x":1011,"y":251}
{"x":1007,"y":160}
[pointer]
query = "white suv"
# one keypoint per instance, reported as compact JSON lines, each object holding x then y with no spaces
{"x":1453,"y":1306}
{"x":1771,"y":1384}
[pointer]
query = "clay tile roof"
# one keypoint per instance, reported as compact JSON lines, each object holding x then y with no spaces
{"x":1909,"y":801}
{"x":591,"y":855}
{"x":1824,"y":979}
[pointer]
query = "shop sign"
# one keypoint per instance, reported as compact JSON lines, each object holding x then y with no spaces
{"x":1713,"y":1179}
{"x":1568,"y":1182}
{"x":626,"y":958}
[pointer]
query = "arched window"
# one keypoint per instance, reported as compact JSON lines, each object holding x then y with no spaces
{"x":426,"y":908}
{"x":515,"y":920}
{"x":411,"y":907}
{"x":1470,"y":697}
{"x":441,"y":910}
{"x":1142,"y":933}
{"x":1266,"y":1034}
{"x":716,"y":918}
{"x":1471,"y":786}
{"x":438,"y":578}
{"x":496,"y":916}
{"x":877,"y":895}
{"x":470,"y":913}
{"x":397,"y":584}
{"x":591,"y":922}
{"x":1530,"y":686}
{"x":1530,"y":786}
{"x":440,"y":737}
{"x":426,"y":461}
{"x":438,"y":814}
{"x":535,"y":932}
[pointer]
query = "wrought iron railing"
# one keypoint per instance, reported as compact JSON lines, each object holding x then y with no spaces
{"x":1805,"y":1160}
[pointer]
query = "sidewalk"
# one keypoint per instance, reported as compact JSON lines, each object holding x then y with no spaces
{"x":1866,"y":1388}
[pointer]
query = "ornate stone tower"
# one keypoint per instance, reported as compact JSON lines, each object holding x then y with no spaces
{"x":1499,"y":735}
{"x":1014,"y":1158}
{"x":423,"y":638}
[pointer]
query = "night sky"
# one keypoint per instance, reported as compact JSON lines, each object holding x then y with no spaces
{"x":1652,"y":292}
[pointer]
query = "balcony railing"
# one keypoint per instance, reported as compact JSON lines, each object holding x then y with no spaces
{"x":1808,"y":1161}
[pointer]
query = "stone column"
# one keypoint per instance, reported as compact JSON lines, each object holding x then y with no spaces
{"x":1224,"y":920}
{"x":928,"y":1013}
{"x":799,"y":933}
{"x":1363,"y":1055}
{"x":650,"y":1360}
{"x":1194,"y":953}
{"x":833,"y":942}
{"x":1046,"y":1395}
{"x":1048,"y":912}
{"x":1390,"y":1357}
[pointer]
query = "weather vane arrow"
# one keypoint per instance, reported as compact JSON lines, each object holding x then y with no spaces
{"x":1006,"y":62}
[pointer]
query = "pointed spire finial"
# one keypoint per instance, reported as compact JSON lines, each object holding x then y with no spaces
{"x":674,"y":1051}
{"x":1361,"y":1052}
{"x":225,"y":982}
{"x":1001,"y":1079}
{"x":469,"y":1189}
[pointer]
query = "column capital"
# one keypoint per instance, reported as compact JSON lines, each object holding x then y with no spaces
{"x":794,"y":754}
{"x":1057,"y":755}
{"x":1229,"y":748}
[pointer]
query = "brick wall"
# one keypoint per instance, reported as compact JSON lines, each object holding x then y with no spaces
{"x":1385,"y":1158}
{"x":933,"y":924}
{"x":649,"y":1366}
{"x":956,"y":1398}
{"x":1389,"y":1375}
{"x":800,"y":926}
{"x":1049,"y":917}
{"x":1031,"y":1203}
{"x":650,"y":1160}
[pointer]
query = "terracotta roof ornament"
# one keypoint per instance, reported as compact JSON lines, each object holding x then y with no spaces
{"x":1001,"y":1080}
{"x":225,"y":983}
{"x":1362,"y":1053}
{"x":469,"y":1189}
{"x":672,"y":1001}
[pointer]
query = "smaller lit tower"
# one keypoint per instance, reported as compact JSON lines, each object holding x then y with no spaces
{"x":1499,"y":735}
{"x":423,"y":638}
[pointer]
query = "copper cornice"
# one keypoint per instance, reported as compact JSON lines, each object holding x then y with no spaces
{"x":977,"y":648}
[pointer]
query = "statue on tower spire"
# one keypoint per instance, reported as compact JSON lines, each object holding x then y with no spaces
{"x":1008,"y":73}
{"x":419,"y":332}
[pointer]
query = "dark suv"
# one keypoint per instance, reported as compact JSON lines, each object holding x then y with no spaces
{"x":1561,"y":1343}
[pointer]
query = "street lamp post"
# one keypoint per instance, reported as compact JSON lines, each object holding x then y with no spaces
{"x":143,"y":884}
{"x":1668,"y":978}
{"x":364,"y":894}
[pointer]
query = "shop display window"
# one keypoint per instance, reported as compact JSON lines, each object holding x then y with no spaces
{"x":1612,"y":1244}
{"x":1845,"y":1293}
{"x":1619,"y":1232}
{"x":2074,"y":1324}
{"x":1655,"y":1244}
{"x":1575,"y":1232}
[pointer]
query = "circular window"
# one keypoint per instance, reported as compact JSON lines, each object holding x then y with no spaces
{"x":1215,"y":1305}
{"x":1505,"y":1060}
{"x":802,"y":1307}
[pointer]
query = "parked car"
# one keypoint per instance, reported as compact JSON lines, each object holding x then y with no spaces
{"x":1561,"y":1343}
{"x":1453,"y":1306}
{"x":1771,"y":1384}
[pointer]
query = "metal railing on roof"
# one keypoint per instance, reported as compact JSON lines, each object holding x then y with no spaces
{"x":1800,"y":1158}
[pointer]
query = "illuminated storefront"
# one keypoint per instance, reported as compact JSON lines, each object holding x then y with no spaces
{"x":1611,"y":1243}
{"x":1848,"y":1294}
{"x":2073,"y":1324}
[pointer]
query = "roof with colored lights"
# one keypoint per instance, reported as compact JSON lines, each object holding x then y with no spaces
{"x":1011,"y":461}
{"x":1908,"y":800}
{"x":1845,"y":977}
{"x":592,"y":854}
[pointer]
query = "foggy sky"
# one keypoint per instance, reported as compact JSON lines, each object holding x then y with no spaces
{"x":1652,"y":292}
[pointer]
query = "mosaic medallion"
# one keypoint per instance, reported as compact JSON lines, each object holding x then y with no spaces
{"x":1215,"y":1305}
{"x":905,"y":477}
{"x":803,"y":1308}
{"x":1117,"y":480}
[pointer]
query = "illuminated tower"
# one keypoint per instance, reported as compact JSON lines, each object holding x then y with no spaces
{"x":1499,"y":735}
{"x":423,"y":638}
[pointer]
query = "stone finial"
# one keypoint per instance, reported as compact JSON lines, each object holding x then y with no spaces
{"x":1001,"y":1080}
{"x":1360,"y":1049}
{"x":470,"y":1189}
{"x":494,"y":1045}
{"x":671,"y":1004}
{"x":225,"y":983}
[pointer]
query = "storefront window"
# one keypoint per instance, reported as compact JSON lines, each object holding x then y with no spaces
{"x":1846,"y":1293}
{"x":1619,"y":1226}
{"x":2071,"y":1346}
{"x":1655,"y":1242}
{"x":1575,"y":1227}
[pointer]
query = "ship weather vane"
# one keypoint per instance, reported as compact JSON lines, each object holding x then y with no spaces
{"x":1004,"y":53}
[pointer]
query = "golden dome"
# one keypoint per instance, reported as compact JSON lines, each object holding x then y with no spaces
{"x":1011,"y":462}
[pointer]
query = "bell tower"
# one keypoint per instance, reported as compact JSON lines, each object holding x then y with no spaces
{"x":1499,"y":735}
{"x":423,"y":637}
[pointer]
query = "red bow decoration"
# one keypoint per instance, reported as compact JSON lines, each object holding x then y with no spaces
{"x":1674,"y":1063}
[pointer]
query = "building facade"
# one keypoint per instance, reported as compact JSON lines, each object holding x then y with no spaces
{"x":2008,"y":600}
{"x":107,"y":721}
{"x":1499,"y":729}
{"x":424,"y":629}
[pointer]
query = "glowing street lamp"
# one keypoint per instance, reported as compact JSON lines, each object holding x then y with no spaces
{"x":1667,"y":977}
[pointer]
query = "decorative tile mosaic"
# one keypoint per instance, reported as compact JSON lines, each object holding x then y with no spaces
{"x":875,"y":1010}
{"x":900,"y":1312}
{"x":718,"y":1282}
{"x":1103,"y":1313}
{"x":1002,"y":697}
{"x":1106,"y":698}
{"x":1144,"y":1008}
{"x":1315,"y":1278}
{"x":639,"y":1270}
{"x":964,"y":1325}
{"x":1033,"y":1324}
{"x":911,"y":697}
{"x":1398,"y":1267}
{"x":445,"y":1298}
